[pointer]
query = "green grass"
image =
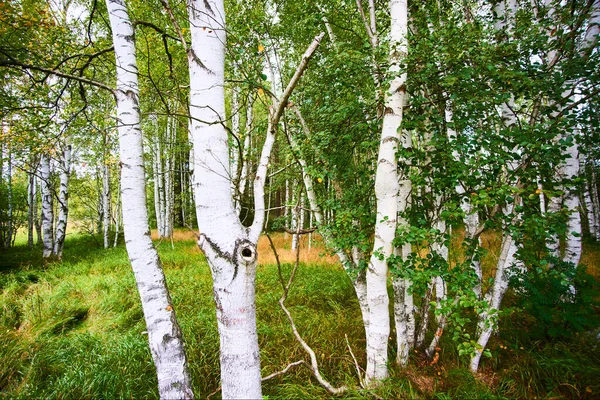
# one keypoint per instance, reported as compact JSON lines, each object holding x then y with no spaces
{"x":75,"y":330}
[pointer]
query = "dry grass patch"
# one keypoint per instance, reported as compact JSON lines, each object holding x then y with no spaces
{"x":590,"y":257}
{"x":312,"y":250}
{"x":315,"y":253}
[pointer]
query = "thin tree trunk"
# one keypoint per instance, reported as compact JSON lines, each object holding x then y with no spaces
{"x":63,"y":202}
{"x":487,"y":322}
{"x":157,"y":210}
{"x":117,"y":219}
{"x":31,"y":204}
{"x":106,"y":203}
{"x":164,"y":335}
{"x":160,"y":178}
{"x":571,"y":203}
{"x":36,"y":220}
{"x":9,"y":231}
{"x":168,"y":182}
{"x":47,"y":207}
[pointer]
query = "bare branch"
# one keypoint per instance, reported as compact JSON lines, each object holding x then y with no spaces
{"x":29,"y":67}
{"x":314,"y":364}
{"x":283,"y":371}
{"x":275,"y":114}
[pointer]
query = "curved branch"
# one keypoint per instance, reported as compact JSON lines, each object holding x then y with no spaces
{"x":30,"y":67}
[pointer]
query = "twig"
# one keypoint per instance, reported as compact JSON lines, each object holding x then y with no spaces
{"x":217,"y":390}
{"x":300,"y":231}
{"x":192,"y":230}
{"x":358,"y":372}
{"x":314,"y":365}
{"x":283,"y":371}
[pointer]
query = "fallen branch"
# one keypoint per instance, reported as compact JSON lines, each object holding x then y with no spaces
{"x":283,"y":371}
{"x":314,"y":365}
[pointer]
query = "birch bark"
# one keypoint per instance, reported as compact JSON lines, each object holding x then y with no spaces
{"x":164,"y":335}
{"x":31,"y":204}
{"x":47,"y":207}
{"x":387,"y":189}
{"x":230,"y":248}
{"x":63,"y":202}
{"x":230,"y":252}
{"x":9,"y":231}
{"x":106,"y":204}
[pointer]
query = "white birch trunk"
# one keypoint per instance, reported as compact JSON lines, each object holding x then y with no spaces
{"x":157,"y":196}
{"x":36,"y":220}
{"x":593,"y":189}
{"x":117,"y":219}
{"x":225,"y":242}
{"x":161,"y":188}
{"x":63,"y":202}
{"x":488,"y":320}
{"x":295,"y":217}
{"x":571,"y":203}
{"x":106,"y":204}
{"x":168,"y":180}
{"x":164,"y":335}
{"x":404,"y":314}
{"x":31,"y":203}
{"x":47,"y":207}
{"x":9,"y":233}
{"x":590,"y":211}
{"x":387,"y":188}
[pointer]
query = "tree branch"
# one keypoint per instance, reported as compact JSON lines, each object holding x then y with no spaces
{"x":29,"y":67}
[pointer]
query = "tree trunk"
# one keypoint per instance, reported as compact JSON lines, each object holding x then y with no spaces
{"x":487,"y":322}
{"x":168,"y":181}
{"x":9,"y":230}
{"x":106,"y":204}
{"x":164,"y":335}
{"x":47,"y":207}
{"x":63,"y":202}
{"x":36,"y":220}
{"x":387,"y":188}
{"x":226,"y":243}
{"x":31,"y":204}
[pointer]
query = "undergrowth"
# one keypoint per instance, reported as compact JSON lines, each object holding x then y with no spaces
{"x":75,"y":329}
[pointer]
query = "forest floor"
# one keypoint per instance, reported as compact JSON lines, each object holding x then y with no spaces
{"x":74,"y":330}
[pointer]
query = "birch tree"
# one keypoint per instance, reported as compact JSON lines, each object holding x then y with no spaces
{"x":164,"y":334}
{"x":47,"y":206}
{"x":230,"y":248}
{"x":63,"y":201}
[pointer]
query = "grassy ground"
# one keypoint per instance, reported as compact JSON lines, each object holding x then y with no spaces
{"x":75,"y":330}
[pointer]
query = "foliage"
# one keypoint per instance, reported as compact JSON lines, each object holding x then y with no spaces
{"x":545,"y":294}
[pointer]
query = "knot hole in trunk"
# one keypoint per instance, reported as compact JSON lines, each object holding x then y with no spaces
{"x":247,"y":251}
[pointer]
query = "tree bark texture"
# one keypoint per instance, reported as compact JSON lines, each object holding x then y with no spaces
{"x":164,"y":336}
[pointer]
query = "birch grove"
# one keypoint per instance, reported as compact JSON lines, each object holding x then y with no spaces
{"x":445,"y":152}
